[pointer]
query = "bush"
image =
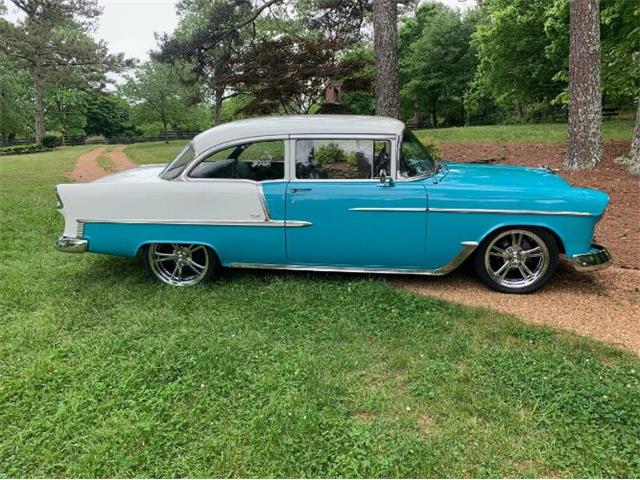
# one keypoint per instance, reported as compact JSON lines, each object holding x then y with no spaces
{"x":329,"y":153}
{"x":52,"y":139}
{"x":20,"y":149}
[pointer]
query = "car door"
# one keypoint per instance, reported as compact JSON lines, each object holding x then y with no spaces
{"x":355,"y":219}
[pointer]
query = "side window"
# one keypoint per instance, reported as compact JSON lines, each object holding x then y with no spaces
{"x":256,"y":161}
{"x":342,"y":159}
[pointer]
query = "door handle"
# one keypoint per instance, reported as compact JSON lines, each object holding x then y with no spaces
{"x":295,"y":190}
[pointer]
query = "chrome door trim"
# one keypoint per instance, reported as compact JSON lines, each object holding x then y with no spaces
{"x":510,"y":212}
{"x":224,"y":223}
{"x":387,"y":209}
{"x":467,"y":249}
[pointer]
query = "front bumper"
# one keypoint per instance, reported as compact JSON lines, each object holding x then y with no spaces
{"x":599,"y":257}
{"x":72,"y":245}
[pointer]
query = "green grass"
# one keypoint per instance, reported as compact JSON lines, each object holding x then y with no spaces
{"x":154,"y":152}
{"x":543,"y":132}
{"x":104,"y":373}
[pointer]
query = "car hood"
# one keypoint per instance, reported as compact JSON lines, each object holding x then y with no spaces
{"x":144,"y":173}
{"x":502,"y":176}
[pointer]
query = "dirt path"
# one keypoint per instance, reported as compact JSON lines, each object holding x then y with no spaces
{"x":87,"y":168}
{"x":604,"y":305}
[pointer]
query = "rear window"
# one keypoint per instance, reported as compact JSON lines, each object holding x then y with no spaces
{"x":175,"y":168}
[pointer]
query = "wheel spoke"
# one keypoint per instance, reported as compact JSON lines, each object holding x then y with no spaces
{"x":195,"y":248}
{"x":195,"y":266}
{"x":503,"y":270}
{"x":535,"y":252}
{"x":166,"y":259}
{"x":527,"y":269}
{"x":496,"y":251}
{"x":516,"y":239}
{"x":522,"y":272}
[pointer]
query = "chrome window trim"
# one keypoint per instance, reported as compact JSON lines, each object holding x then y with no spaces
{"x":225,"y":223}
{"x":185,"y":176}
{"x":391,"y":138}
{"x":467,"y":249}
{"x":510,"y":212}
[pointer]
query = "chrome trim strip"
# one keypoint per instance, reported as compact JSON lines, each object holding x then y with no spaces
{"x":385,"y":209}
{"x":230,"y":223}
{"x":467,"y":249}
{"x":80,"y":229}
{"x":588,"y":262}
{"x":263,"y":202}
{"x":510,"y":212}
{"x":72,"y":245}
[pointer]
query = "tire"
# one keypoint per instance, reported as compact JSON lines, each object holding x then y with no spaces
{"x":517,"y":259}
{"x":180,"y":264}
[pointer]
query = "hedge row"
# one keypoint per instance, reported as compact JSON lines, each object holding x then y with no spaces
{"x":19,"y":149}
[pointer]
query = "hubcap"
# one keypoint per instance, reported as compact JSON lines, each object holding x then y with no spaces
{"x":516,"y":258}
{"x":179,"y":264}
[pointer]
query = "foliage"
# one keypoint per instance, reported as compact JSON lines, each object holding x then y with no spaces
{"x":16,"y":110}
{"x":108,"y":114}
{"x":160,"y":94}
{"x":22,"y":149}
{"x":436,"y":61}
{"x":108,"y":374}
{"x":329,"y":153}
{"x":52,"y":139}
{"x":53,"y":43}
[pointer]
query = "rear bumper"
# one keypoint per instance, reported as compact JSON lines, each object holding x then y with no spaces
{"x":72,"y":245}
{"x":599,"y":257}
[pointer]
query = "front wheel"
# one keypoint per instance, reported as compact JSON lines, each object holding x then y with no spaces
{"x":180,"y":264}
{"x":517,"y":260}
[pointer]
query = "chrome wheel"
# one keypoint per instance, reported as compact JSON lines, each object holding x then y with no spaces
{"x":516,"y":259}
{"x":179,"y":264}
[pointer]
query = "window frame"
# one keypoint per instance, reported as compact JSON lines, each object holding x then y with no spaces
{"x":186,"y":174}
{"x":391,"y":138}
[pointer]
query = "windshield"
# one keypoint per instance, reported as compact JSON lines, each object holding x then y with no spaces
{"x":415,"y":159}
{"x":175,"y":168}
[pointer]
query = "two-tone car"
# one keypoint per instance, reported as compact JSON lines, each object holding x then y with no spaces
{"x":333,"y":193}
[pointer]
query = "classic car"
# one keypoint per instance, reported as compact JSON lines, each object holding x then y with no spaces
{"x":333,"y":193}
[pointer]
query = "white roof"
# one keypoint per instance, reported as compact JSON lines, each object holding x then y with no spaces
{"x":299,"y":125}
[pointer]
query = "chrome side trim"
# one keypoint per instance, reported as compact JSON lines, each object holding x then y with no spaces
{"x":230,"y":223}
{"x":467,"y":249}
{"x":263,"y":202}
{"x":72,"y":245}
{"x":510,"y":212}
{"x":80,"y":229}
{"x":588,"y":262}
{"x":389,"y":209}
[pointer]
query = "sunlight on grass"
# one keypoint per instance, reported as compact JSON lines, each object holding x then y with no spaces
{"x":154,"y":152}
{"x":543,"y":132}
{"x":104,"y":373}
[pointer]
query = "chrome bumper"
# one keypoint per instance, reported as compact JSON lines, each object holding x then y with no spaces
{"x":594,"y":260}
{"x":72,"y":245}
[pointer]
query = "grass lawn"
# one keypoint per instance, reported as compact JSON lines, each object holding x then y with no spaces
{"x":104,"y":373}
{"x":154,"y":152}
{"x":542,"y":132}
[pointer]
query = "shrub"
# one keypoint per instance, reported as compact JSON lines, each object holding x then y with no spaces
{"x":20,"y":149}
{"x":52,"y":139}
{"x":329,"y":153}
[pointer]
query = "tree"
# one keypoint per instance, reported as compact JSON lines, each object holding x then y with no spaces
{"x":584,"y":148}
{"x":437,"y":63}
{"x":159,"y":89}
{"x":107,"y":114}
{"x":53,"y":44}
{"x":16,"y":111}
{"x":512,"y":43}
{"x":210,"y":37}
{"x":385,"y":40}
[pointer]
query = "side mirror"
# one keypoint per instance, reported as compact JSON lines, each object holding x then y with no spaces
{"x":385,"y":181}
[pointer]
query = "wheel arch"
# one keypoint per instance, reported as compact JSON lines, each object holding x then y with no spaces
{"x":546,"y":228}
{"x":146,"y":243}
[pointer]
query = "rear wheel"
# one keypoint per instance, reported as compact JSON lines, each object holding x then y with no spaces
{"x":518,"y":260}
{"x":180,"y":264}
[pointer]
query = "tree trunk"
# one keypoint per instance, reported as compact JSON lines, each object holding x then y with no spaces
{"x":38,"y":88}
{"x":519,"y":110}
{"x":166,"y":132}
{"x":584,"y":149}
{"x":634,"y":151}
{"x":217,"y":106}
{"x":385,"y":40}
